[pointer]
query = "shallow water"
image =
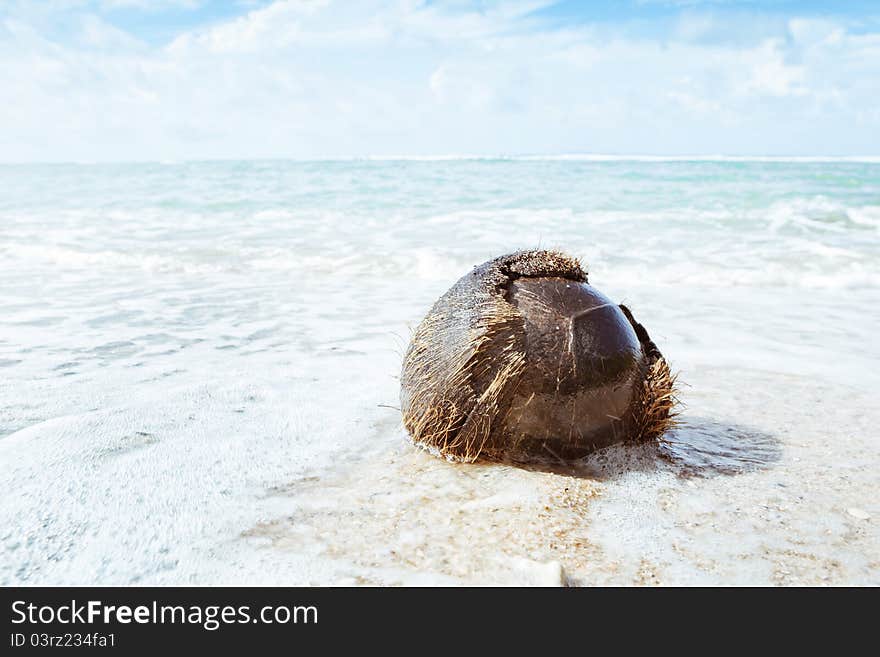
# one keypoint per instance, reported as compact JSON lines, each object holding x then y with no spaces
{"x":198,"y":370}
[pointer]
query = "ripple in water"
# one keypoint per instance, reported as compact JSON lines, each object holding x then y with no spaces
{"x":702,"y":447}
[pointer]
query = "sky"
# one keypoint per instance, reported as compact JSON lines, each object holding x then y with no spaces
{"x":134,"y":80}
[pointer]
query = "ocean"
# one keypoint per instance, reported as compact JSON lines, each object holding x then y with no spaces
{"x":199,"y":362}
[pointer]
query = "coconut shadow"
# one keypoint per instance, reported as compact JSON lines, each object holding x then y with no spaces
{"x":695,"y":447}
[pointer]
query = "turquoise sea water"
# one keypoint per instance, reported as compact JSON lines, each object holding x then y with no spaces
{"x":818,"y":220}
{"x":177,"y":339}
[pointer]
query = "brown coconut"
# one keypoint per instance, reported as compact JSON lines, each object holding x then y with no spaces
{"x":522,"y":358}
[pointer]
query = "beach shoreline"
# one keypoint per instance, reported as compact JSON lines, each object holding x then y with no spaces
{"x":200,"y":374}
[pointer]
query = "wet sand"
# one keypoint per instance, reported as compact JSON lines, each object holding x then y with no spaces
{"x":718,"y":503}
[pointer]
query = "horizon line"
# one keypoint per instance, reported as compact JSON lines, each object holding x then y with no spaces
{"x":559,"y":157}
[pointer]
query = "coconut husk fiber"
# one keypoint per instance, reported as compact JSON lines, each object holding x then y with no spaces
{"x":523,"y":359}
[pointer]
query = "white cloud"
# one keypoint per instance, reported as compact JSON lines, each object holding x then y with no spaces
{"x":151,"y":5}
{"x":815,"y":31}
{"x":771,"y":75}
{"x":268,"y":28}
{"x":323,"y":79}
{"x":97,"y":33}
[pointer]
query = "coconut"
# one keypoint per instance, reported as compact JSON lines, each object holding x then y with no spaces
{"x":522,"y":358}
